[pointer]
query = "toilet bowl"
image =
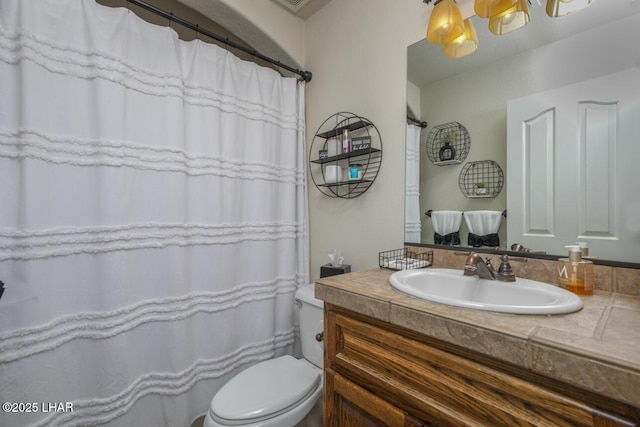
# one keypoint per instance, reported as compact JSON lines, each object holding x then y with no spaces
{"x":278,"y":392}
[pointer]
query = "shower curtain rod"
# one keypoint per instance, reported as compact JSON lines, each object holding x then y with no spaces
{"x":420,"y":123}
{"x":305,"y":75}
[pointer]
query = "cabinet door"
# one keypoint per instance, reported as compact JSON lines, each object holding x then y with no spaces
{"x":349,"y":405}
{"x":397,"y":375}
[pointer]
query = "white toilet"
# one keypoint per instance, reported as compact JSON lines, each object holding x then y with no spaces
{"x":279,"y":392}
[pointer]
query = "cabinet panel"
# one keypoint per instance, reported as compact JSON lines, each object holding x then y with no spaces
{"x":443,"y":388}
{"x":352,"y":406}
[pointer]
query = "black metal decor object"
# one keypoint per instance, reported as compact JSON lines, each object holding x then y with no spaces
{"x":404,"y":259}
{"x":447,"y":152}
{"x":448,"y":144}
{"x":481,"y":179}
{"x":363,"y":151}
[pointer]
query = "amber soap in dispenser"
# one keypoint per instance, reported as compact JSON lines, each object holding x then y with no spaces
{"x":574,"y":273}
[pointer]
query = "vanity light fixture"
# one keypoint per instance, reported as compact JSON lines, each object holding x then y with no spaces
{"x":445,"y":22}
{"x":557,"y":8}
{"x":482,"y":8}
{"x":508,"y":15}
{"x":464,"y":45}
{"x":459,"y":37}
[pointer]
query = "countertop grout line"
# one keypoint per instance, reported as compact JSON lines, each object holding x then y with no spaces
{"x":528,"y":361}
{"x":604,"y":318}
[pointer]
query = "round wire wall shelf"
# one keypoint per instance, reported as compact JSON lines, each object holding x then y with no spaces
{"x":340,"y":170}
{"x":481,"y":180}
{"x":448,"y":144}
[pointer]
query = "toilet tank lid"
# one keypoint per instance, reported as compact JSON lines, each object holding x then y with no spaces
{"x":265,"y":388}
{"x":306,"y":293}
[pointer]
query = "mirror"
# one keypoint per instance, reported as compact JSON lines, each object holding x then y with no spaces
{"x":601,"y":39}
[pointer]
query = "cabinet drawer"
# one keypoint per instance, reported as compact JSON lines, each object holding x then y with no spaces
{"x":440,"y":387}
{"x":352,"y":406}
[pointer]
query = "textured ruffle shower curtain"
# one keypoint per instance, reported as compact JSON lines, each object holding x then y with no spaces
{"x":152,"y":216}
{"x":412,"y":223}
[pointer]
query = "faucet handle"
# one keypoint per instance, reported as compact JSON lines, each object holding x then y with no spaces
{"x":505,"y":272}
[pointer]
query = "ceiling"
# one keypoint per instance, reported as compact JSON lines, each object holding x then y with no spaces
{"x":302,"y":8}
{"x":427,"y":62}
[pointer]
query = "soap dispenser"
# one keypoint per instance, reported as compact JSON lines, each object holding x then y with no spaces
{"x":574,"y":273}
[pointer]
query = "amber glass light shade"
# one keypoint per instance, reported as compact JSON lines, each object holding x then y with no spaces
{"x":482,"y":8}
{"x":445,"y":22}
{"x":557,"y":8}
{"x":464,"y":45}
{"x":508,"y":15}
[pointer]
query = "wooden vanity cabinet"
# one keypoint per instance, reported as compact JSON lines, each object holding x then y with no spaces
{"x":377,"y":374}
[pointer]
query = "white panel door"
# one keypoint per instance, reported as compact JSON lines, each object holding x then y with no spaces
{"x":574,"y":167}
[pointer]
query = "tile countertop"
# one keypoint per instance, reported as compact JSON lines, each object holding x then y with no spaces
{"x":597,"y":348}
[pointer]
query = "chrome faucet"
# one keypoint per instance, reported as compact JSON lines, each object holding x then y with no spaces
{"x":475,"y":265}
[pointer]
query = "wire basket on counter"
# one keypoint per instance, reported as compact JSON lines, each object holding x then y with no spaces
{"x":404,"y":259}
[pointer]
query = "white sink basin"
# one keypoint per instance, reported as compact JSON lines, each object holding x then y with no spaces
{"x":452,"y":287}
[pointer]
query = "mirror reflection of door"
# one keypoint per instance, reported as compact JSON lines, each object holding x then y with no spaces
{"x":573,"y":183}
{"x":547,"y":53}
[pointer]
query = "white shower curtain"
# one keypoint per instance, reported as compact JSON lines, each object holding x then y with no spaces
{"x":412,"y":223}
{"x":152,"y":217}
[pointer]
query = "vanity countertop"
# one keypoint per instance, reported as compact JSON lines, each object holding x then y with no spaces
{"x":597,"y":348}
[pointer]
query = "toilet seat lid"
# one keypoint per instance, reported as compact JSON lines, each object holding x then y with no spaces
{"x":265,"y":388}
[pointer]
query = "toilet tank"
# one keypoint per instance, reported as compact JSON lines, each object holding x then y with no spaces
{"x":311,"y":324}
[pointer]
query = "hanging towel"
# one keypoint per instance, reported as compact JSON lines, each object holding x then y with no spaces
{"x":483,"y":227}
{"x":446,"y":227}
